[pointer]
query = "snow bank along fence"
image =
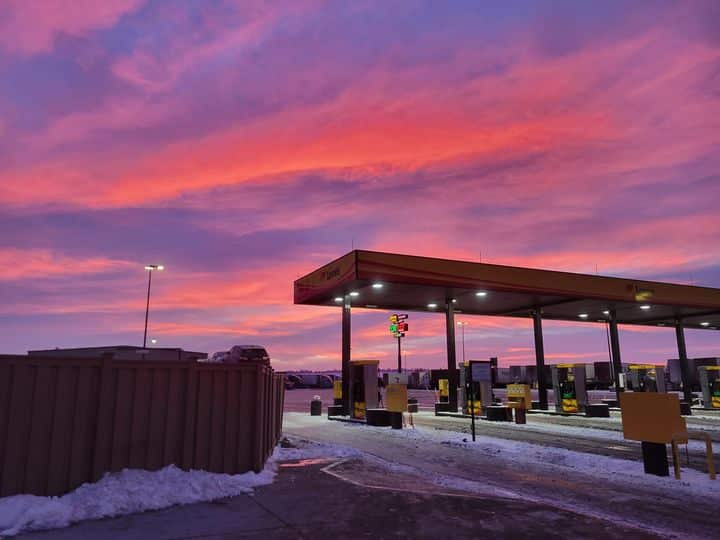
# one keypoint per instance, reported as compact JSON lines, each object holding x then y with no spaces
{"x":64,"y":422}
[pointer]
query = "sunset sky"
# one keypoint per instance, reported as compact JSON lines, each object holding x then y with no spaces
{"x":244,"y":143}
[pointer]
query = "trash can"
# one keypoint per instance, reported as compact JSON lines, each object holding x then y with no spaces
{"x":396,"y":420}
{"x":685,"y":409}
{"x":597,"y":410}
{"x":498,"y":413}
{"x":412,"y":405}
{"x":316,"y":406}
{"x":520,"y":416}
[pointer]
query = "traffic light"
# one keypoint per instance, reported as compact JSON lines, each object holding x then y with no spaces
{"x":398,"y":326}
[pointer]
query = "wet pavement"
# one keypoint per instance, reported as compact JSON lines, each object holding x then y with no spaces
{"x":306,"y":502}
{"x":649,"y":504}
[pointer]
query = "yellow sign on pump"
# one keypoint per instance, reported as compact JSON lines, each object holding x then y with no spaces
{"x":397,"y":397}
{"x":444,"y":387}
{"x":359,"y":410}
{"x":475,"y":407}
{"x":337,"y":389}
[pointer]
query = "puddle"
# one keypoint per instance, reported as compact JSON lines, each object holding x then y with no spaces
{"x":306,"y":462}
{"x":378,"y":475}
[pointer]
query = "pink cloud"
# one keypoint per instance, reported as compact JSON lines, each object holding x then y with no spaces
{"x":18,"y":264}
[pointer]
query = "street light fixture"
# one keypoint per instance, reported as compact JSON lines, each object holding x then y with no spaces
{"x":150,"y":268}
{"x":462,"y":325}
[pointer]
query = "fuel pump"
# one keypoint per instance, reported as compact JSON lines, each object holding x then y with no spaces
{"x":646,"y":378}
{"x":480,"y":395}
{"x":710,"y":385}
{"x":363,"y":387}
{"x":569,"y":387}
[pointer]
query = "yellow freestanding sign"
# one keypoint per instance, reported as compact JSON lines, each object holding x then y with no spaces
{"x":651,"y":417}
{"x":337,"y":389}
{"x":396,"y":397}
{"x":519,"y":395}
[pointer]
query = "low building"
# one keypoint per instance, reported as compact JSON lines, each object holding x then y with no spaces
{"x":124,"y":352}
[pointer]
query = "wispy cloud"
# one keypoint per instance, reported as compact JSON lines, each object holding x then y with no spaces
{"x":242,"y":144}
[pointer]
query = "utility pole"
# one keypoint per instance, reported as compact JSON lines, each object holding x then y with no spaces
{"x":462,"y":325}
{"x":150,"y":268}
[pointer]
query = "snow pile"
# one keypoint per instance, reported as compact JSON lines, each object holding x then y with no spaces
{"x":131,"y":491}
{"x":122,"y":493}
{"x":304,"y":449}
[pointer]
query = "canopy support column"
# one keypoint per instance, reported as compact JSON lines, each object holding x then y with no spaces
{"x":682,"y":358}
{"x":346,"y":354}
{"x":451,"y":359}
{"x":540,"y":359}
{"x":615,"y":353}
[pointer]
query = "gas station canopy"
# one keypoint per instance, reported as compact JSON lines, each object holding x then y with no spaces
{"x":377,"y":280}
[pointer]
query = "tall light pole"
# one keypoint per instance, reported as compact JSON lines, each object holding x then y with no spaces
{"x":150,"y":268}
{"x":462,"y":325}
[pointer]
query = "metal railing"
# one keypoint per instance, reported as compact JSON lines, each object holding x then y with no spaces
{"x":684,"y":438}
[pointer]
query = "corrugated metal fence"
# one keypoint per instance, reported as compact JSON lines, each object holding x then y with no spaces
{"x":65,"y":422}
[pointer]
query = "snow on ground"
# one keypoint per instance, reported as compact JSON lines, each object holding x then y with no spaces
{"x":131,"y":491}
{"x":610,"y":434}
{"x":305,"y":449}
{"x":522,"y":454}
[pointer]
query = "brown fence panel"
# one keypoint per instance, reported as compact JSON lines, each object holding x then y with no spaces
{"x":189,"y":428}
{"x":232,"y":411}
{"x":246,"y":429}
{"x":60,"y":447}
{"x":84,"y":425}
{"x":202,"y":421}
{"x":173,"y":446}
{"x":217,"y":422}
{"x":157,"y":419}
{"x":18,"y":432}
{"x":6,"y":383}
{"x":41,"y":431}
{"x":122,"y":422}
{"x":103,"y":449}
{"x":64,"y":422}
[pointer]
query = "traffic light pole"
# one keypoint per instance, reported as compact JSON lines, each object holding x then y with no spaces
{"x":399,"y":356}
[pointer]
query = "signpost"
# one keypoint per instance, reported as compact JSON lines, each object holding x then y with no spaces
{"x":472,"y":397}
{"x":398,"y":328}
{"x":480,"y":372}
